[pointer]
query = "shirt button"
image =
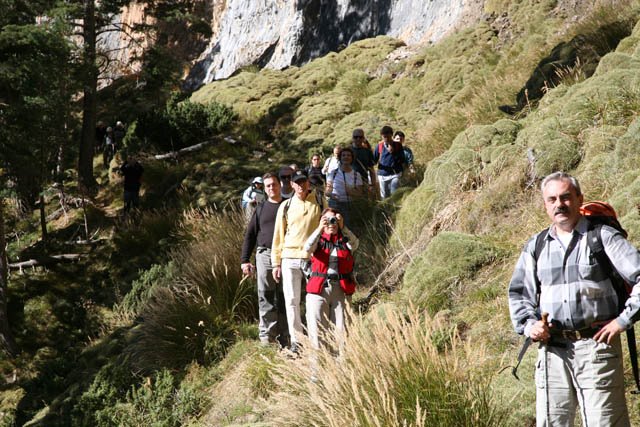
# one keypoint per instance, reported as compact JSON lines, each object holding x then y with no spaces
{"x":565,"y":301}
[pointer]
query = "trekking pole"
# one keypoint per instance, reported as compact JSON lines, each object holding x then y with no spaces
{"x":545,"y":320}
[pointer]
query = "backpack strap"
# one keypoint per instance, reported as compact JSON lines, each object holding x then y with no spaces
{"x":541,"y":240}
{"x":285,"y":212}
{"x":594,"y":240}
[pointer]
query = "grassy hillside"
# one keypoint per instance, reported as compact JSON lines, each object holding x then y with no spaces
{"x":156,"y":327}
{"x":457,"y":236}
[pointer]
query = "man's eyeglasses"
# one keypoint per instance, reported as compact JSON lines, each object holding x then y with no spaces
{"x":285,"y":177}
{"x":358,"y":136}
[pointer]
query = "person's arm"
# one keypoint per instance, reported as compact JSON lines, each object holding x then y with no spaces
{"x":523,"y":305}
{"x":325,"y":168}
{"x":353,"y":240}
{"x":625,"y":258}
{"x":249,"y":244}
{"x":279,"y":230}
{"x":312,"y":242}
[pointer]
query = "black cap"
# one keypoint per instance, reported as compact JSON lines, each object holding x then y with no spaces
{"x":299,"y":175}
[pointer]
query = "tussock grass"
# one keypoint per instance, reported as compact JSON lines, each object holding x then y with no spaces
{"x":396,"y":370}
{"x":195,"y":317}
{"x":434,"y":280}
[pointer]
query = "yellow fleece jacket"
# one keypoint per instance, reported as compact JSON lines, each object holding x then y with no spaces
{"x":290,"y":234}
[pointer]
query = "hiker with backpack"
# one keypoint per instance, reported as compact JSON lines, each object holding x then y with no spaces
{"x":315,"y":169}
{"x":399,"y":138}
{"x":296,"y":220}
{"x":252,"y":196}
{"x":332,"y":163}
{"x":363,"y":161}
{"x":389,"y":156}
{"x":331,"y":283}
{"x":344,"y":185}
{"x":272,"y":319}
{"x":565,"y":295}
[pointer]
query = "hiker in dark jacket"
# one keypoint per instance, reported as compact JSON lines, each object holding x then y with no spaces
{"x":580,"y":356}
{"x":363,"y":161}
{"x":315,"y":167}
{"x":389,"y":156}
{"x":132,"y":172}
{"x":272,"y":322}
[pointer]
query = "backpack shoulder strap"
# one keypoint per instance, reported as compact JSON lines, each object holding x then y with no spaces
{"x":594,"y":240}
{"x":285,"y":212}
{"x":541,"y":240}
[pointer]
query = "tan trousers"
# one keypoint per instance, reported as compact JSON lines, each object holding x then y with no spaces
{"x":328,"y":306}
{"x":585,"y":374}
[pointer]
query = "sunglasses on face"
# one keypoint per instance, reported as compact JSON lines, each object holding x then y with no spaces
{"x":358,"y":136}
{"x":285,"y":177}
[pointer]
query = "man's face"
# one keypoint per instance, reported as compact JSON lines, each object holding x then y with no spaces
{"x":562,"y":203}
{"x":336,"y":152}
{"x":272,"y":188}
{"x":301,"y":188}
{"x":357,"y":139}
{"x":315,"y":161}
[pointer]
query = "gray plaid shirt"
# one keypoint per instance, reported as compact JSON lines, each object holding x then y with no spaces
{"x":574,"y":289}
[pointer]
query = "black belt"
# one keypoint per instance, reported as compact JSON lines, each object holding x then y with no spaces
{"x":574,"y":334}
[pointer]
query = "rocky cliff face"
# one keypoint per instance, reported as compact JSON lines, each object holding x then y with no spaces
{"x":279,"y":33}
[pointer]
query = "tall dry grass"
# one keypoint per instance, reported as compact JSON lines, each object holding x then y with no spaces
{"x":396,"y":370}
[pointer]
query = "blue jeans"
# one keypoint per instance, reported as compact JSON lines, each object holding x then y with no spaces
{"x":389,"y":184}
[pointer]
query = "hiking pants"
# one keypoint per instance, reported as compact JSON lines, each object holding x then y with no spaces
{"x":272,"y":322}
{"x":388,"y":184}
{"x":292,"y":281}
{"x":584,"y":373}
{"x":328,"y":306}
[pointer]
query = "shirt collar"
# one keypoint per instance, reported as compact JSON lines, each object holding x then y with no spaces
{"x":581,"y":227}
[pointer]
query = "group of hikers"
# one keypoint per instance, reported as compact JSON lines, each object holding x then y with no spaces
{"x":109,"y":140}
{"x":299,"y":223}
{"x":349,"y":174}
{"x":565,"y":292}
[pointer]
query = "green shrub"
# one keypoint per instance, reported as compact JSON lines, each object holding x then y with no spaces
{"x":434,"y":279}
{"x":142,"y":288}
{"x":179,"y":124}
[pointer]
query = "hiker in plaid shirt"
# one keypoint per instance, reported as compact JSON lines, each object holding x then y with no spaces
{"x":580,"y":356}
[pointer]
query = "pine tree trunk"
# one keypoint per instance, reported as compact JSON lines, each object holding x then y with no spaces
{"x":43,"y":219}
{"x":7,"y":342}
{"x":86,"y":179}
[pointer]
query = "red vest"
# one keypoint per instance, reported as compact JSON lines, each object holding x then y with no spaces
{"x":320,"y":264}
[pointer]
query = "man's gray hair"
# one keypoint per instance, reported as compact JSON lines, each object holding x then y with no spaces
{"x":561,"y":176}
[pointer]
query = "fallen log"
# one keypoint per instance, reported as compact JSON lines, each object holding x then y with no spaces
{"x":183,"y":151}
{"x":44,"y":261}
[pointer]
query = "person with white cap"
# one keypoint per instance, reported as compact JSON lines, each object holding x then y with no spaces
{"x":253,"y":195}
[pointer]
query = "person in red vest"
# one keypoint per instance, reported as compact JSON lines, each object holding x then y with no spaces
{"x":331,"y":284}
